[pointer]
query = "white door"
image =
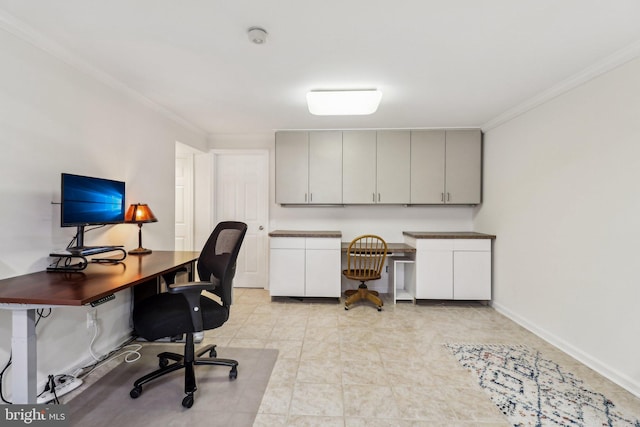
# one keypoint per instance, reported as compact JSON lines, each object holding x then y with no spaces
{"x":184,"y":202}
{"x":241,"y":193}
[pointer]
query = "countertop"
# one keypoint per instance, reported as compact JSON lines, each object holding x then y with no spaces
{"x":414,"y":234}
{"x":447,"y":235}
{"x":305,"y":233}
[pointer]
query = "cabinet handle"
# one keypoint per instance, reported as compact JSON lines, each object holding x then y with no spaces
{"x":448,"y":197}
{"x":378,"y":197}
{"x":373,"y":197}
{"x":442,"y":197}
{"x":305,"y":197}
{"x":310,"y":197}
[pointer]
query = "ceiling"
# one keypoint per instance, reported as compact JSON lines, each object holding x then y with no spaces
{"x":439,"y":63}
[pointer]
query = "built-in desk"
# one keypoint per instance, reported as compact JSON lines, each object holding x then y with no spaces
{"x":392,"y":248}
{"x":452,"y":265}
{"x":427,"y":265}
{"x":304,"y":263}
{"x":24,"y":294}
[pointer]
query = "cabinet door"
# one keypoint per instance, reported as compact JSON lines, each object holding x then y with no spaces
{"x":286,"y":272}
{"x":434,"y":275}
{"x":427,"y":166}
{"x":292,"y":167}
{"x":323,"y":273}
{"x":393,"y":171}
{"x":463,"y":171}
{"x":358,"y":167}
{"x":472,"y":275}
{"x":325,"y":167}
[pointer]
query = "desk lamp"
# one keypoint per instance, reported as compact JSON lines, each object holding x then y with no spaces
{"x":139,"y":213}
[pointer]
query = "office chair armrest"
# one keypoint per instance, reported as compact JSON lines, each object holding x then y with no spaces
{"x":192,"y":287}
{"x":191,"y":292}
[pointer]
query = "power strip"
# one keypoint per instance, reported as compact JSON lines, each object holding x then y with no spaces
{"x":64,"y":385}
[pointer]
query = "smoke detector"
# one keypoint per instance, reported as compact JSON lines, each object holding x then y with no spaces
{"x":257,"y":35}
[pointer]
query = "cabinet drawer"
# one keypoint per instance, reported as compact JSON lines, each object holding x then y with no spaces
{"x":435,"y":244}
{"x":472,"y":244}
{"x":323,"y":243}
{"x":286,"y":243}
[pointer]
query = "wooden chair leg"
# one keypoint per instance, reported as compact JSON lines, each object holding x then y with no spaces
{"x":374,"y":299}
{"x":355,"y":296}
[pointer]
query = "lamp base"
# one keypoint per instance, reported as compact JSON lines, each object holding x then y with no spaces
{"x":139,"y":251}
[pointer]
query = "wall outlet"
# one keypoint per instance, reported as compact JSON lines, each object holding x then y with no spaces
{"x":92,"y":318}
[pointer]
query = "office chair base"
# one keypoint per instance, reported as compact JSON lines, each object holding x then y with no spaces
{"x":362,"y":293}
{"x":180,"y":363}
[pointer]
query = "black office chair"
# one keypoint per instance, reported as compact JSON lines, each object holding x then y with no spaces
{"x":185,"y":309}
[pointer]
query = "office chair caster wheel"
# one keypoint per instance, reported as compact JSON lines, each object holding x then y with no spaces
{"x":346,"y":308}
{"x":163,"y":362}
{"x":213,"y":353}
{"x":233,"y":373}
{"x":187,"y":402}
{"x":135,"y":392}
{"x":379,"y":308}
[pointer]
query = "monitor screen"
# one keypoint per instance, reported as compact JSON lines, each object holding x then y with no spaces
{"x":88,"y":201}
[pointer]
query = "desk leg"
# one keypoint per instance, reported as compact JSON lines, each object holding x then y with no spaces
{"x":24,"y":361}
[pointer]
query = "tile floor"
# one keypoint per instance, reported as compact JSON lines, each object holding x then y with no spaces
{"x":367,"y":368}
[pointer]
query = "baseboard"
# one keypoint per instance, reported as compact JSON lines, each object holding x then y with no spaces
{"x":603,"y":369}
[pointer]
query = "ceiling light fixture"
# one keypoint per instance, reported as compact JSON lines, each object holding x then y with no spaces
{"x":346,"y":102}
{"x":257,"y":35}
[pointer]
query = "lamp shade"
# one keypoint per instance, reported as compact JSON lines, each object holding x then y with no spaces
{"x":139,"y":213}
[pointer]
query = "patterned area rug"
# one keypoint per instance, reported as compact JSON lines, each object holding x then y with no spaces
{"x":533,"y":391}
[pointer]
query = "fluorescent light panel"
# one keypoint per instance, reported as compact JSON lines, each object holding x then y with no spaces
{"x":343,"y":102}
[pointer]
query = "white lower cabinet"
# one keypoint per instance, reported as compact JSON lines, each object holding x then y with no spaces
{"x":304,"y":267}
{"x":458,"y":269}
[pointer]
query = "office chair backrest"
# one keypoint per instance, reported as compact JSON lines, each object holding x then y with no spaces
{"x":366,"y":255}
{"x":218,"y":257}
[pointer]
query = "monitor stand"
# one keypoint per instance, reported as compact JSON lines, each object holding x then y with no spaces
{"x":80,"y":252}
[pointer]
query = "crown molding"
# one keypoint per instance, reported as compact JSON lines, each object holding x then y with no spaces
{"x":28,"y":34}
{"x":612,"y":61}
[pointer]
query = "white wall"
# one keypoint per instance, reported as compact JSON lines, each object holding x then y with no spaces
{"x":56,"y":119}
{"x":562,"y":194}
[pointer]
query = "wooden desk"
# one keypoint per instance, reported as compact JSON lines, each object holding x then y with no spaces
{"x":24,"y":294}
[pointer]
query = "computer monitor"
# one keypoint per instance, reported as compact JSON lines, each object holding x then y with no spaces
{"x":91,"y":201}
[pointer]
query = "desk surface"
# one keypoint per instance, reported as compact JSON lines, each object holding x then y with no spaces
{"x":391,"y":248}
{"x":96,"y":281}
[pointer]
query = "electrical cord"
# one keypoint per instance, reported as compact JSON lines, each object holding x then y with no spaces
{"x":95,"y":335}
{"x":40,"y":313}
{"x":106,"y":357}
{"x":112,"y":355}
{"x":75,"y":238}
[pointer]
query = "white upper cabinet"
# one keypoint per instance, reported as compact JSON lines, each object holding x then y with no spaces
{"x":325,"y":167}
{"x":359,"y":167}
{"x":463,"y":172}
{"x":292,"y":167}
{"x":309,"y":167}
{"x":379,"y":167}
{"x":376,"y":167}
{"x":427,"y":166}
{"x":393,"y":172}
{"x":446,"y":166}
